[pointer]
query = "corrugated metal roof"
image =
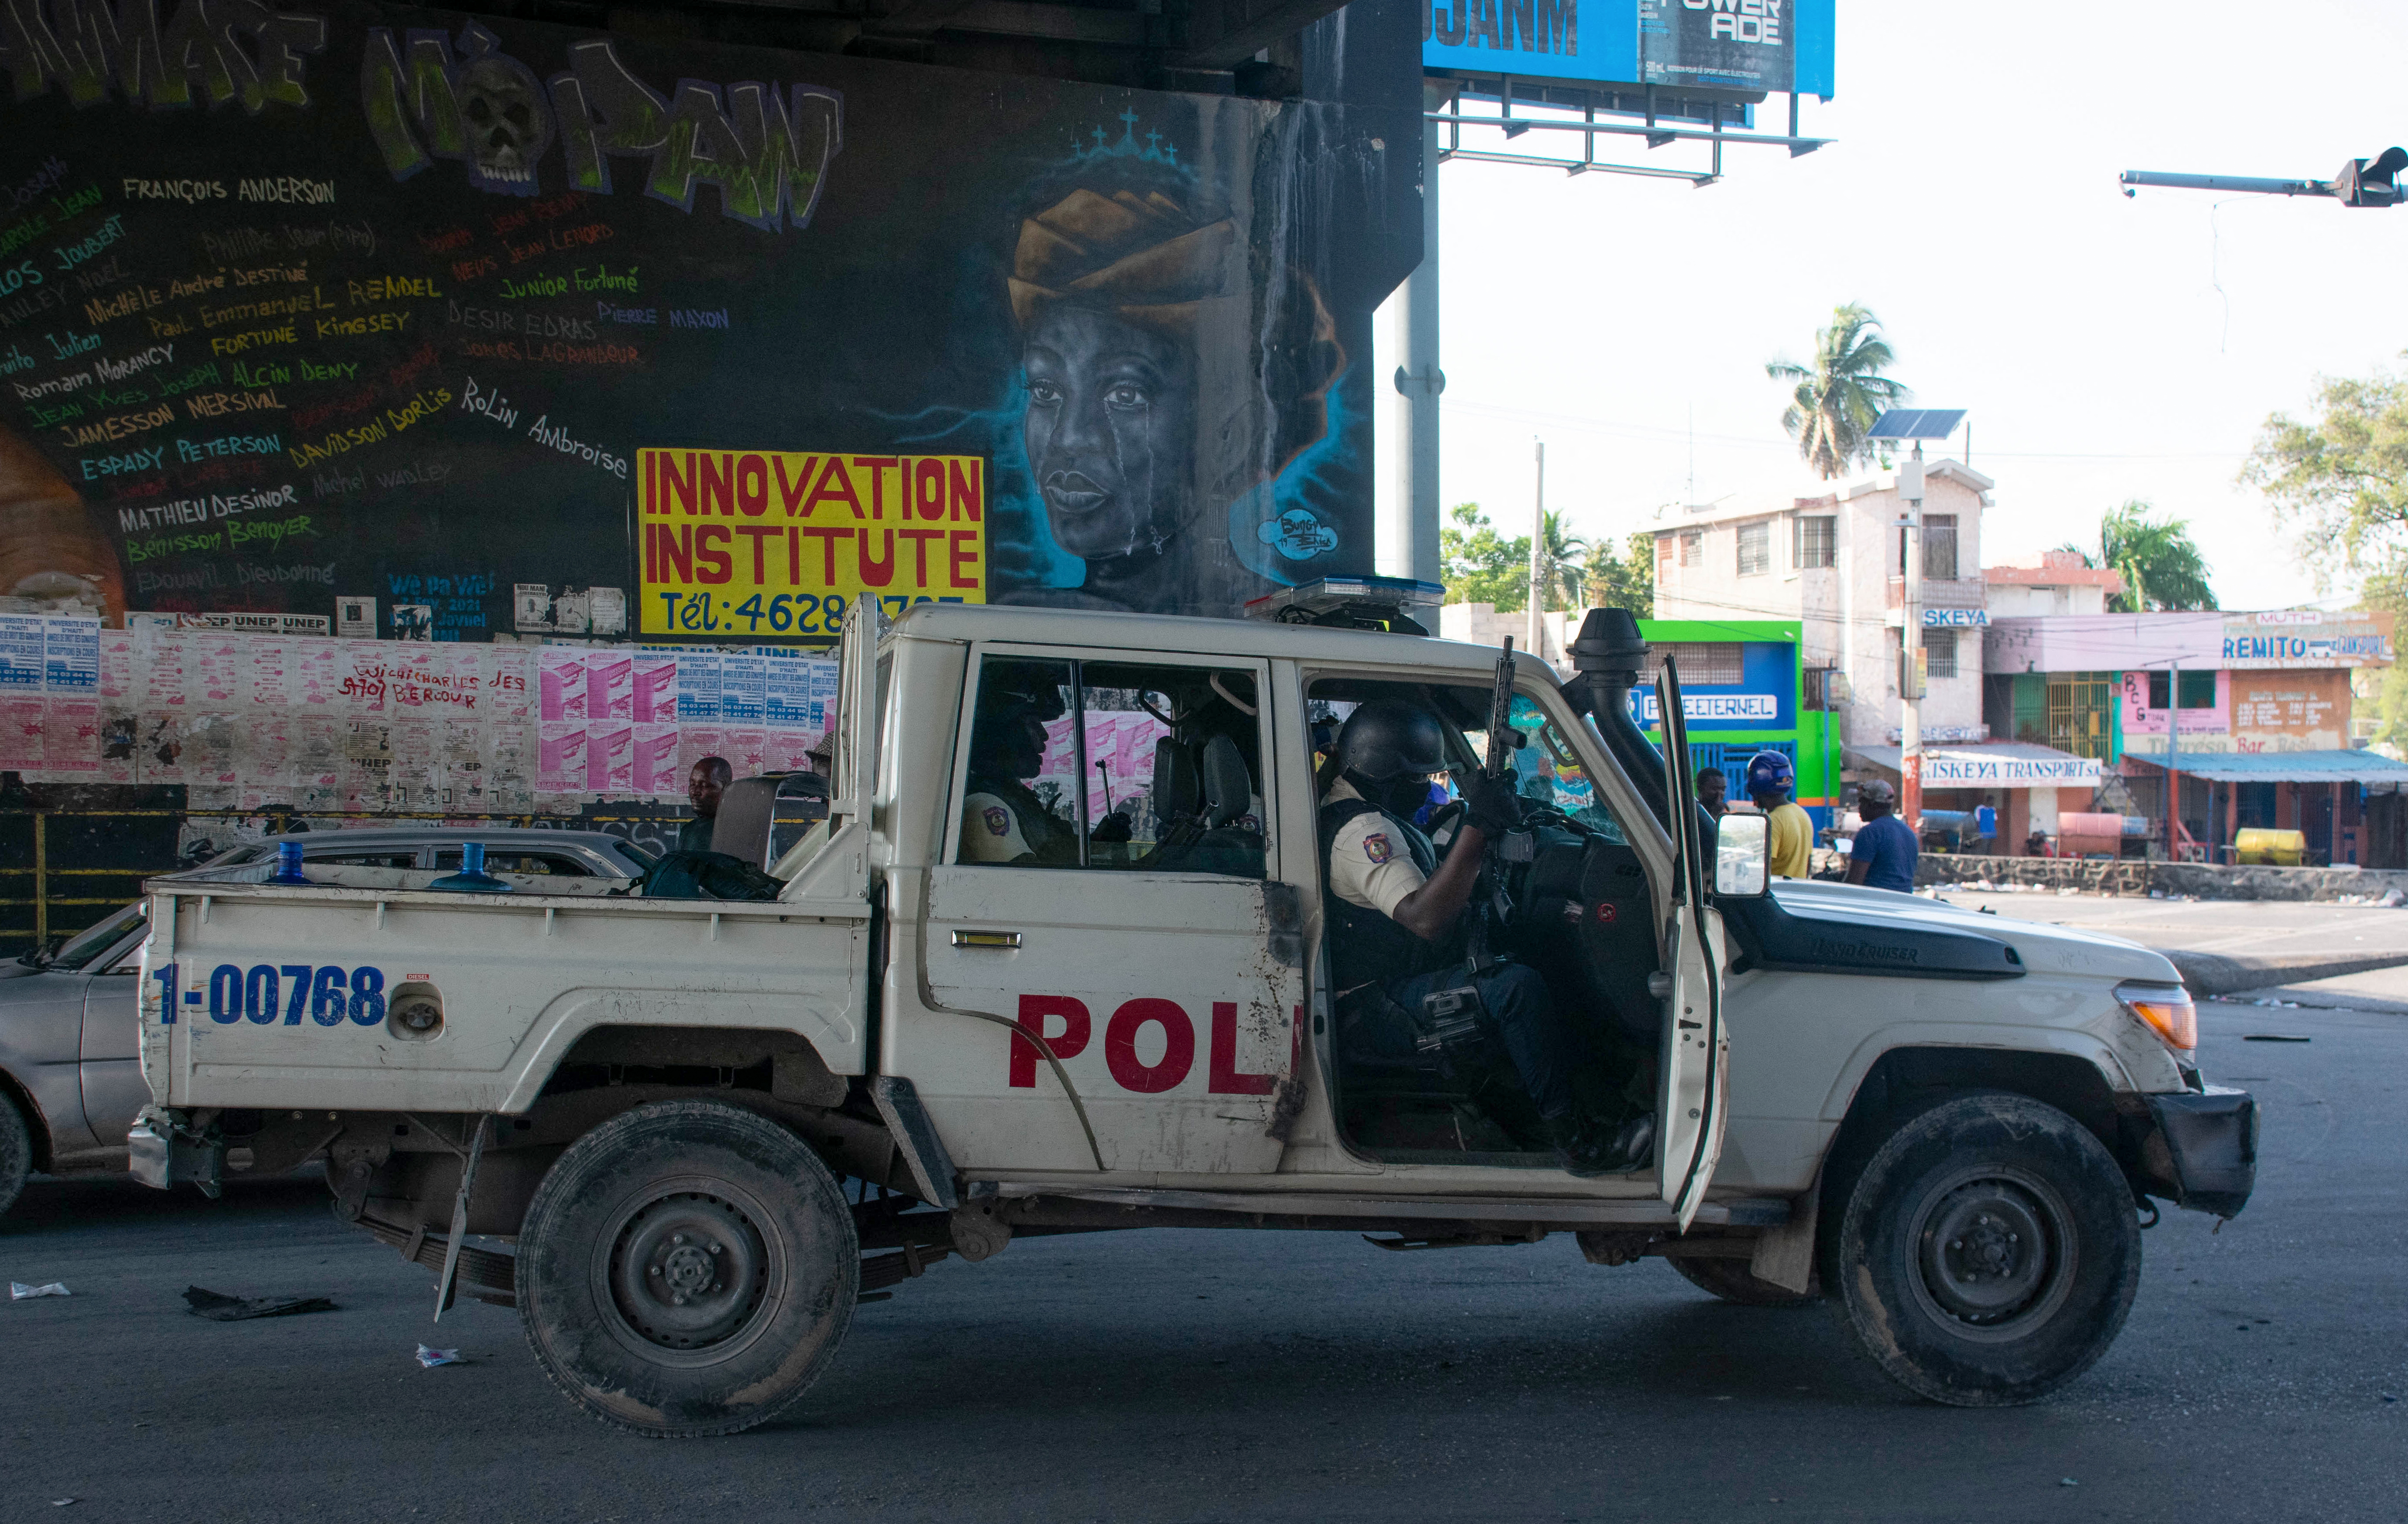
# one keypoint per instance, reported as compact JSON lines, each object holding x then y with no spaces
{"x":2280,"y":766}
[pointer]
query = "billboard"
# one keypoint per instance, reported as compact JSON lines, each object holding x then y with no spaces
{"x":1737,"y":45}
{"x":401,"y":313}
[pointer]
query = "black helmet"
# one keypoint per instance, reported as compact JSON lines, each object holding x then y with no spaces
{"x":1386,"y":739}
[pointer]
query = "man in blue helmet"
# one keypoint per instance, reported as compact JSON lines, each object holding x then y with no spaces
{"x":1770,"y":780}
{"x":1400,"y":923}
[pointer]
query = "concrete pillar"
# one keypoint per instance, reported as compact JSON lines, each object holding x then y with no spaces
{"x":1409,"y":537}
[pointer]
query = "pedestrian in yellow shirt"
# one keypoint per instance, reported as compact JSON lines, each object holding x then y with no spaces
{"x":1770,"y":780}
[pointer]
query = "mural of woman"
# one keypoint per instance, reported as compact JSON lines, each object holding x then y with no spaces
{"x":49,"y":549}
{"x":1171,"y":372}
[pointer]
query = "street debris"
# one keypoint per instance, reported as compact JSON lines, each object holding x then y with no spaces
{"x":219,"y":1307}
{"x":19,"y":1291}
{"x":432,"y":1358}
{"x":2067,"y":1481}
{"x":2275,"y":1037}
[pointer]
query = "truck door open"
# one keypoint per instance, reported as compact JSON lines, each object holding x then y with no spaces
{"x":1104,"y":888}
{"x":1690,"y":1109}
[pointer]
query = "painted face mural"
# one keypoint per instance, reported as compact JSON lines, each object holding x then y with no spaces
{"x":1169,"y":382}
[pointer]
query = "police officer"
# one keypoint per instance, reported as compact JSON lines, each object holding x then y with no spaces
{"x":1397,"y":919}
{"x":1003,"y":819}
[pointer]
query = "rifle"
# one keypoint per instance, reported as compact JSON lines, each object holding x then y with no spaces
{"x":1503,"y":741}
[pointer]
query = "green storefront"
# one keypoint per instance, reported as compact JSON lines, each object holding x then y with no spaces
{"x":1744,"y":692}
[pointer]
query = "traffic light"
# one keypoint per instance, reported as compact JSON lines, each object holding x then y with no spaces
{"x":2375,"y":182}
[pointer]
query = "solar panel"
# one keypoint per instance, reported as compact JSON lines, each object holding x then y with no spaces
{"x":1917,"y":423}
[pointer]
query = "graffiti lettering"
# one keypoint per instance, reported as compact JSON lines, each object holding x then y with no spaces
{"x":767,"y":155}
{"x":88,"y":47}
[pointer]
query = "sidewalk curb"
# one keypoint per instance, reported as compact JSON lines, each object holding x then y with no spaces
{"x":2209,"y":974}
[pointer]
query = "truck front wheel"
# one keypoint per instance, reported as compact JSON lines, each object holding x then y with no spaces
{"x":687,"y":1268}
{"x":1987,"y":1253}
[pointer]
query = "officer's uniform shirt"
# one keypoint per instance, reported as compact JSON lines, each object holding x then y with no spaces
{"x":1368,"y":867}
{"x":991,"y":831}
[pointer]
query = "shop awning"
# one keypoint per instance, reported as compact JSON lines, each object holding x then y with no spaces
{"x":2367,"y":767}
{"x":1991,"y":764}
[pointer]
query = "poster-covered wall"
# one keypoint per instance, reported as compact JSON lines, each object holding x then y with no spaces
{"x":471,"y":325}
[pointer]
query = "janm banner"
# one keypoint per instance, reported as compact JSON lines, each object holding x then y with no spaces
{"x":752,"y":542}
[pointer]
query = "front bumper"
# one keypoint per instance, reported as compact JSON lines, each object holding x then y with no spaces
{"x":2202,"y":1152}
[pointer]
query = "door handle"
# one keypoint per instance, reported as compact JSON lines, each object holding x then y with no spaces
{"x":1005,"y":940}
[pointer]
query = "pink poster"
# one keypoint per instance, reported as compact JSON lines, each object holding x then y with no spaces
{"x":790,"y":751}
{"x":21,"y":723}
{"x":695,"y":742}
{"x":314,"y":677}
{"x":610,"y":755}
{"x":609,"y":687}
{"x":560,"y":757}
{"x":271,"y":671}
{"x":219,"y":670}
{"x":163,"y":673}
{"x":116,"y":664}
{"x":561,"y":683}
{"x":71,"y":736}
{"x":747,"y":751}
{"x":654,"y":768}
{"x":653,"y":684}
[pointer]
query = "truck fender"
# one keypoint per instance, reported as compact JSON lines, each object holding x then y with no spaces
{"x":2068,"y":1042}
{"x":573,"y":1013}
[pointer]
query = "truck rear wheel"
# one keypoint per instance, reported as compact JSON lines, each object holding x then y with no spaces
{"x":1732,"y":1281}
{"x":1987,"y":1253}
{"x":687,"y":1268}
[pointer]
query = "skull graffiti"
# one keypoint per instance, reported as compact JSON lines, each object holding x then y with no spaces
{"x":508,"y":121}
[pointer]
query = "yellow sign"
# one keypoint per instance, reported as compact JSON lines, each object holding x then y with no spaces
{"x":741,"y":544}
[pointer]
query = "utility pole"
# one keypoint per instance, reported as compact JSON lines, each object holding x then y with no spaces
{"x":2173,"y":746}
{"x":1538,"y":551}
{"x":1910,"y":646}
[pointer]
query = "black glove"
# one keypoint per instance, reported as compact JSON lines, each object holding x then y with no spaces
{"x":1491,"y":803}
{"x":1114,"y":827}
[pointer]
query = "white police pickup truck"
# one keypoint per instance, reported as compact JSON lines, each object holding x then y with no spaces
{"x":685,"y":1136}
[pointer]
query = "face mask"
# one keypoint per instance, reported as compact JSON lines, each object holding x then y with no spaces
{"x":1404,"y":795}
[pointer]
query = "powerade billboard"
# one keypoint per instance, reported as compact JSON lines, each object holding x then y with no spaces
{"x":1746,"y":45}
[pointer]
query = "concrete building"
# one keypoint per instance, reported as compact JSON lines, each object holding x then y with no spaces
{"x":2060,"y":584}
{"x":1836,"y":563}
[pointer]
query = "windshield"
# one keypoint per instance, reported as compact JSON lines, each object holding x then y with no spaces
{"x":91,"y":943}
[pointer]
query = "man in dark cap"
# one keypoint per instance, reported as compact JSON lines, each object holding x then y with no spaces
{"x":1883,"y":855}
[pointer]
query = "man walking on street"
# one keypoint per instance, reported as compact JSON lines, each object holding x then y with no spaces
{"x":1884,"y":851}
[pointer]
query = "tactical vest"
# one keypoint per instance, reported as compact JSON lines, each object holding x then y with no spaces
{"x":1366,"y":947}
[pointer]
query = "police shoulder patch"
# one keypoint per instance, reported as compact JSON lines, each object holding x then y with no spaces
{"x":998,"y":821}
{"x":1376,"y":847}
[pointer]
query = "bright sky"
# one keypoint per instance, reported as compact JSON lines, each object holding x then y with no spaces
{"x":1970,"y":200}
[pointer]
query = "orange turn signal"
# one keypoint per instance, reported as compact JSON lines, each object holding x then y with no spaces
{"x":2166,"y":1010}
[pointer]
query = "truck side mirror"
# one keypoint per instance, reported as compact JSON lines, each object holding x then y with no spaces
{"x":1743,"y":857}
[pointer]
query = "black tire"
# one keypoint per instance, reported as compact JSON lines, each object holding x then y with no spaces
{"x":16,"y":1151}
{"x":1732,"y":1281}
{"x":729,"y":1213}
{"x":1987,"y":1253}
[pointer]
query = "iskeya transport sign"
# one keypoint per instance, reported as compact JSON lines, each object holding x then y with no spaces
{"x":766,"y":543}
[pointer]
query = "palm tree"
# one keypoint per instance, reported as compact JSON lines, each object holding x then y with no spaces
{"x":1837,"y":399}
{"x":2162,"y":567}
{"x":1562,"y":569}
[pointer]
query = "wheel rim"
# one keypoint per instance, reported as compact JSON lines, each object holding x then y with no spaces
{"x":1995,"y":1253}
{"x":689,"y":1271}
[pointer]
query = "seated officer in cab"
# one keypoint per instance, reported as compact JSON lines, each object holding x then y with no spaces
{"x":1398,"y":924}
{"x":1003,"y":818}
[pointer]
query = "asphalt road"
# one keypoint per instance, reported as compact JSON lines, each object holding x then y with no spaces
{"x":1251,"y":1376}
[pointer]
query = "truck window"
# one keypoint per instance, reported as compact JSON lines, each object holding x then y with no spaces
{"x":1115,"y":765}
